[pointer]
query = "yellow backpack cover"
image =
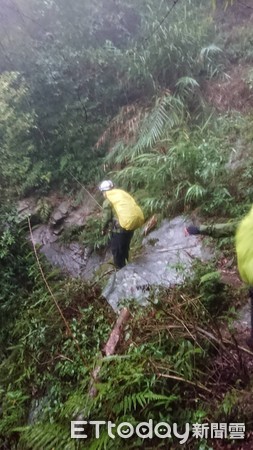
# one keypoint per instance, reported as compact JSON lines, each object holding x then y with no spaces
{"x":244,"y":248}
{"x":129,"y":214}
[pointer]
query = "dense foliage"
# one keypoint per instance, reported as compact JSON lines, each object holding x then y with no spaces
{"x":79,"y":65}
{"x":129,"y":90}
{"x":159,"y":373}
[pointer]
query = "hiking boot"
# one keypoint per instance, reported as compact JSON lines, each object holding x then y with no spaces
{"x":191,"y":230}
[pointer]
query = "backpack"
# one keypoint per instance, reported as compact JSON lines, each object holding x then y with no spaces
{"x":244,"y":248}
{"x":129,"y":214}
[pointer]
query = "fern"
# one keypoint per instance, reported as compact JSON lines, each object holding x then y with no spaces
{"x":44,"y":209}
{"x":167,"y":113}
{"x":47,"y":437}
{"x":130,"y":402}
{"x":186,"y":85}
{"x":141,"y":400}
{"x":195,"y":193}
{"x":209,"y":51}
{"x":208,"y":57}
{"x":103,"y":443}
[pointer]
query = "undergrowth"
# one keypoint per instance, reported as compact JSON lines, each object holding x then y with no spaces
{"x":166,"y":367}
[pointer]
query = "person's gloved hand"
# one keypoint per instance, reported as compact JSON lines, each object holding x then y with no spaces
{"x":191,"y":230}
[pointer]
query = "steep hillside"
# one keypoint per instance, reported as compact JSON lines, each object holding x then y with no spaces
{"x":156,"y":95}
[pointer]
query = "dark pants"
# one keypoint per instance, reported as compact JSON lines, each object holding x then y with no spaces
{"x":120,"y":243}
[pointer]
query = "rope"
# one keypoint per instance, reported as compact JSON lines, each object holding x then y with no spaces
{"x":53,"y":297}
{"x":93,"y":198}
{"x":161,"y":22}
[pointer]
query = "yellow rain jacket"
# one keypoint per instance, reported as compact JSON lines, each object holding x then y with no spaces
{"x":244,"y":248}
{"x":128,"y":213}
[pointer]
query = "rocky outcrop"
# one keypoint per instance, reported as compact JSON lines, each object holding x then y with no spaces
{"x":28,"y":207}
{"x":63,"y":211}
{"x":73,"y":258}
{"x":60,"y":213}
{"x":165,"y":261}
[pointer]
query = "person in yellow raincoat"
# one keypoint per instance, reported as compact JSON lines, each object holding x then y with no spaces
{"x":244,"y":251}
{"x":124,"y":215}
{"x":243,"y":231}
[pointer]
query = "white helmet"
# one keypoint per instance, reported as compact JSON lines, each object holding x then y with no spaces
{"x":106,"y":185}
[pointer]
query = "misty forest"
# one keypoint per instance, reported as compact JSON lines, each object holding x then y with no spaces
{"x":157,"y":96}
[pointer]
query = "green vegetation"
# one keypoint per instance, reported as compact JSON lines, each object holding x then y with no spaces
{"x":149,"y":97}
{"x":159,"y":373}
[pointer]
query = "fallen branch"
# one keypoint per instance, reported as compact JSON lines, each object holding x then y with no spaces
{"x":225,"y":341}
{"x":197,"y":385}
{"x":115,"y":335}
{"x":110,"y":347}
